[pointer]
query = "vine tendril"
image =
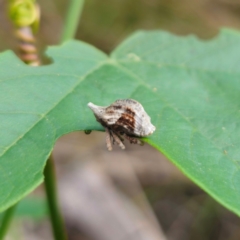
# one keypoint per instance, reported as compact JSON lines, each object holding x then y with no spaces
{"x":25,"y":13}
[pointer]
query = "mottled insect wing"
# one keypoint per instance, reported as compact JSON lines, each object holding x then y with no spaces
{"x":125,"y":117}
{"x":143,"y":125}
{"x":131,"y":117}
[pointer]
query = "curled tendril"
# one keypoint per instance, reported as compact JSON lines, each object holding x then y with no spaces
{"x":24,"y":13}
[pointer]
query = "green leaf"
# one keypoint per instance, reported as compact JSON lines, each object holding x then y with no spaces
{"x":190,"y":88}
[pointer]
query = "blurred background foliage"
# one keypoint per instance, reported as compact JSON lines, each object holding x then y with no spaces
{"x":105,"y":23}
{"x":183,"y":210}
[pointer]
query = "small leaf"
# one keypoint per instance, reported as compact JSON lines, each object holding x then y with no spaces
{"x":190,"y":88}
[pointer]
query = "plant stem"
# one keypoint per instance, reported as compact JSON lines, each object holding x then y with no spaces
{"x":72,"y":19}
{"x":69,"y":30}
{"x":5,"y":223}
{"x":55,"y":215}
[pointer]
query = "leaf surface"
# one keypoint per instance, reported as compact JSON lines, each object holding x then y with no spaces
{"x":190,"y":88}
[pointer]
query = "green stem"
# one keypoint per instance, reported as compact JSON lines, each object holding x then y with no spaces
{"x":5,"y":223}
{"x":55,"y":215}
{"x":69,"y":30}
{"x":72,"y":19}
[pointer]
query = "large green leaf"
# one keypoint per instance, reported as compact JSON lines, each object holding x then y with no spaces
{"x":189,"y":88}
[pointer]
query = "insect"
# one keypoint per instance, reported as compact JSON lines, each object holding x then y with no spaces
{"x":125,"y":118}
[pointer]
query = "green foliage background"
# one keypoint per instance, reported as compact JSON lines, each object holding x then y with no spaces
{"x":190,"y":88}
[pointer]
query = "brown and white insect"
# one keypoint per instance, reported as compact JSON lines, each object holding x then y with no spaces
{"x":125,"y":118}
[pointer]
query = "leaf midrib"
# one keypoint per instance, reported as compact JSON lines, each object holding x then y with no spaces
{"x":129,"y":72}
{"x":81,"y":79}
{"x":191,"y":176}
{"x":194,"y":128}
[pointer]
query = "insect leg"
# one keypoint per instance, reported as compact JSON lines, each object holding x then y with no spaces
{"x":108,"y":139}
{"x":118,"y":140}
{"x":134,"y":140}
